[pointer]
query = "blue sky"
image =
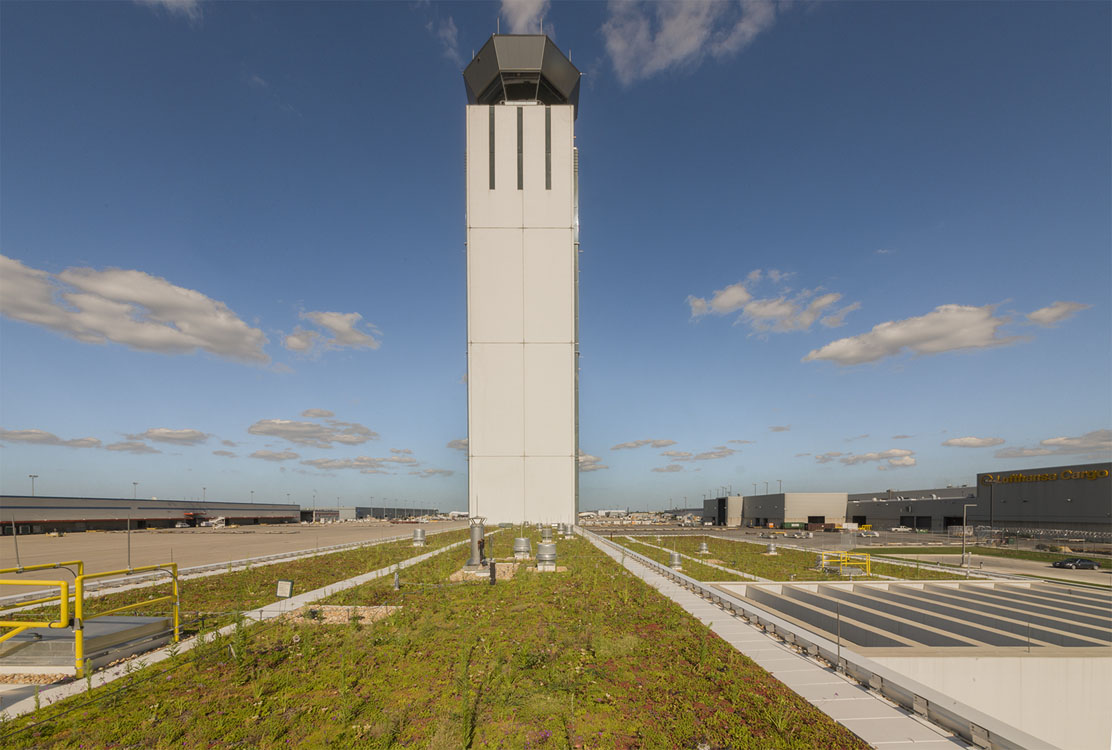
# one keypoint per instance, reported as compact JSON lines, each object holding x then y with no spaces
{"x":849,"y":246}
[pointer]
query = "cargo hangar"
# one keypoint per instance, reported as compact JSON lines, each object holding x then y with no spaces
{"x":38,"y":514}
{"x":1075,"y":498}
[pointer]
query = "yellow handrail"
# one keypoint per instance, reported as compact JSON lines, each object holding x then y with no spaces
{"x":63,"y":621}
{"x":46,"y":566}
{"x":843,"y":559}
{"x":79,"y":618}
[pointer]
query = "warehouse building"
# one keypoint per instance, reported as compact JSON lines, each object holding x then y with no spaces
{"x":1057,"y":498}
{"x":794,"y":509}
{"x":363,"y":512}
{"x":37,"y":515}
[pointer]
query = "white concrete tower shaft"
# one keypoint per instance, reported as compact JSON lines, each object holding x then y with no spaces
{"x":522,"y":291}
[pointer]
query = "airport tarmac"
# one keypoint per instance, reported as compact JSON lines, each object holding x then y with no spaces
{"x":1016,"y":567}
{"x":107,"y":550}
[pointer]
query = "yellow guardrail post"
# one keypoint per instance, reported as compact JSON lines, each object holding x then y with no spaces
{"x":79,"y":626}
{"x":79,"y":606}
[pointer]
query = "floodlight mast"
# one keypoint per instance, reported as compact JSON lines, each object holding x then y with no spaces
{"x":522,"y":282}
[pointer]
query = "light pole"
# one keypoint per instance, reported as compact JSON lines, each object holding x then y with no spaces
{"x":134,"y":489}
{"x":766,"y":488}
{"x":754,"y":488}
{"x":252,"y":496}
{"x":204,"y":494}
{"x":33,"y":478}
{"x":964,"y":509}
{"x":781,"y":483}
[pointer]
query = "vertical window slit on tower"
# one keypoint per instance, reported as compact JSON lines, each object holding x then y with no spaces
{"x":520,"y":158}
{"x":492,"y":148}
{"x":548,"y":148}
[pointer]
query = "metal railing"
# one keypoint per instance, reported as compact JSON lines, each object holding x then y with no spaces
{"x":79,"y":619}
{"x":842,"y":560}
{"x":15,"y":627}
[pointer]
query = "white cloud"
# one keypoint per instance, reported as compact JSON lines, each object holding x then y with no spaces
{"x":720,"y":451}
{"x":189,"y":9}
{"x":1056,"y":313}
{"x":1097,"y":443}
{"x":647,"y":38}
{"x":229,"y":443}
{"x":132,"y":308}
{"x":781,"y":313}
{"x":225,"y":454}
{"x":724,"y":301}
{"x":524,"y":16}
{"x":430,"y":473}
{"x":670,"y":468}
{"x":364,"y":464}
{"x":166,"y":435}
{"x":275,"y":455}
{"x":341,"y":332}
{"x":892,"y":458}
{"x":401,"y":451}
{"x":40,"y":437}
{"x":895,"y":457}
{"x":973,"y":442}
{"x":837,"y":319}
{"x":780,"y":428}
{"x":640,"y":443}
{"x":947,"y":328}
{"x":317,"y":413}
{"x":316,"y":435}
{"x":300,"y":340}
{"x":459,"y":444}
{"x":902,"y":437}
{"x":445,"y":31}
{"x":742,"y":442}
{"x":587,"y":462}
{"x":131,"y":446}
{"x":801,"y":455}
{"x":857,"y":437}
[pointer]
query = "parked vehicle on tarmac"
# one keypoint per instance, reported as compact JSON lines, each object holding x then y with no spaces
{"x":868,"y":533}
{"x":1076,"y":563}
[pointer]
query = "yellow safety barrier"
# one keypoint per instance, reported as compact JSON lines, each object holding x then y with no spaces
{"x":63,"y":621}
{"x":79,"y":618}
{"x":45,"y":566}
{"x":842,"y":560}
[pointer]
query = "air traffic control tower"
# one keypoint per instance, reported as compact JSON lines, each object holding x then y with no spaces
{"x":522,"y":282}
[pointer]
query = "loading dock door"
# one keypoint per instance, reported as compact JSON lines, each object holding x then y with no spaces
{"x":923,"y":522}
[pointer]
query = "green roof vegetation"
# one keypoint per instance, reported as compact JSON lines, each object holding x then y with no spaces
{"x":590,"y":657}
